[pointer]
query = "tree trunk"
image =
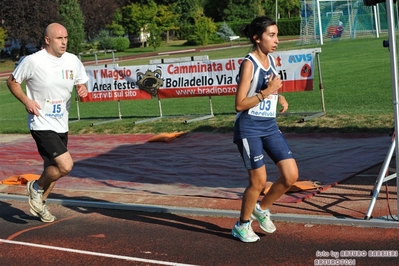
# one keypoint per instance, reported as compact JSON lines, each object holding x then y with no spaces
{"x":167,"y":36}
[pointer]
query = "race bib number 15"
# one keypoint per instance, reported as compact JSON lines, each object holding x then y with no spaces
{"x":54,"y":108}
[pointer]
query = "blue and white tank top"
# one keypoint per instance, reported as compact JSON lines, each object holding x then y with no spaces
{"x":261,"y":119}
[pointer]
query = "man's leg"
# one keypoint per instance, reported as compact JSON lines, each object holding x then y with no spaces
{"x":41,"y":189}
{"x":49,"y":144}
{"x":48,"y":190}
{"x":61,"y":166}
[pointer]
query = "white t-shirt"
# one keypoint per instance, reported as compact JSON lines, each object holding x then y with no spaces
{"x":50,"y":81}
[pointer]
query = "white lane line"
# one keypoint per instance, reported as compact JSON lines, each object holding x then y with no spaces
{"x":95,"y":253}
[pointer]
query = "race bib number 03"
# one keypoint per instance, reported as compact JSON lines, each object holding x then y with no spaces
{"x":266,"y":108}
{"x":54,"y":108}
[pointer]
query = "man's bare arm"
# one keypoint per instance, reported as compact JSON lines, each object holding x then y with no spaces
{"x":16,"y":90}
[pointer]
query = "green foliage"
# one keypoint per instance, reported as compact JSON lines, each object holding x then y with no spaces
{"x":151,"y":18}
{"x":215,"y":39}
{"x":286,"y":27}
{"x":116,"y":29}
{"x":72,"y":16}
{"x":129,"y":17}
{"x":235,"y":10}
{"x":244,"y":9}
{"x":3,"y":36}
{"x":185,"y":8}
{"x":26,"y":20}
{"x":136,"y":17}
{"x":121,"y":44}
{"x":193,"y":40}
{"x":166,"y":19}
{"x":203,"y":26}
{"x":225,"y":31}
{"x":87,"y":46}
{"x":289,"y":27}
{"x":104,"y":40}
{"x":286,"y":9}
{"x":154,"y":40}
{"x":356,"y":86}
{"x":185,"y":31}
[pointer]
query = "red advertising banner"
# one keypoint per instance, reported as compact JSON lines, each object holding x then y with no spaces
{"x":193,"y":78}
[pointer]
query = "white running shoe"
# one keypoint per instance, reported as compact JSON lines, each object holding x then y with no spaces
{"x":35,"y":197}
{"x":244,"y":232}
{"x":45,"y":216}
{"x":263,"y":216}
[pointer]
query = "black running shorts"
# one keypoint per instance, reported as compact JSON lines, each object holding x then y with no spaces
{"x":49,"y":143}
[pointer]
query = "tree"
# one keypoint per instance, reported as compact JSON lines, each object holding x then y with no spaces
{"x":115,"y":27}
{"x":26,"y":22}
{"x":3,"y":35}
{"x":225,"y":31}
{"x":245,"y":9}
{"x":154,"y":38}
{"x":203,"y":26}
{"x":121,"y":43}
{"x":99,"y":13}
{"x":166,"y":19}
{"x":73,"y":21}
{"x":214,"y":9}
{"x":147,"y":20}
{"x":134,"y":18}
{"x":289,"y":8}
{"x":105,"y":41}
{"x":259,"y":7}
{"x":186,"y":8}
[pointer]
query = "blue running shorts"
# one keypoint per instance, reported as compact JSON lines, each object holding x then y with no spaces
{"x":252,"y":149}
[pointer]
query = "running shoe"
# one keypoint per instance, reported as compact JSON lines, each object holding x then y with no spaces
{"x":263,"y":216}
{"x":35,"y":197}
{"x":45,"y":216}
{"x":244,"y":232}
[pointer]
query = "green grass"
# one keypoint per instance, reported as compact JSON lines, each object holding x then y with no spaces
{"x":356,"y":78}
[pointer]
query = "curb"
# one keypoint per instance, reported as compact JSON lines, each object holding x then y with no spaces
{"x":306,"y":219}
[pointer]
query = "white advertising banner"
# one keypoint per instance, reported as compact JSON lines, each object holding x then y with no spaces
{"x":192,"y":79}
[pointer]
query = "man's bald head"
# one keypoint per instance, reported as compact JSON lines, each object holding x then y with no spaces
{"x":53,"y":28}
{"x":56,"y":39}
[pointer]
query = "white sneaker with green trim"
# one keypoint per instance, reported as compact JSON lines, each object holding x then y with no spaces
{"x":263,"y":216}
{"x":244,"y":232}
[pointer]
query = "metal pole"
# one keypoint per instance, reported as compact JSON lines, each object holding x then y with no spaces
{"x":380,"y":179}
{"x":77,"y":106}
{"x":160,"y":107}
{"x":320,"y":26}
{"x":321,"y":87}
{"x":394,"y":81}
{"x":395,"y":100}
{"x":276,"y":11}
{"x":210,"y":105}
{"x":119,"y":109}
{"x":377,"y":21}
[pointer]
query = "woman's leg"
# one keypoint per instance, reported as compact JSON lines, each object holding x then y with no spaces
{"x":257,"y":182}
{"x":288,"y":176}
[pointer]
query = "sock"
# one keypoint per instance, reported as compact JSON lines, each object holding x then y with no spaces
{"x":243,"y":221}
{"x":36,"y":187}
{"x":260,"y":208}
